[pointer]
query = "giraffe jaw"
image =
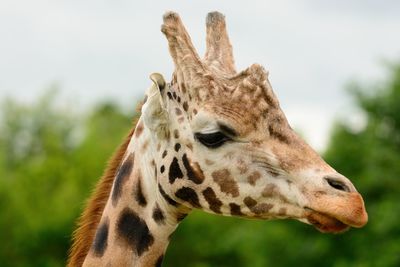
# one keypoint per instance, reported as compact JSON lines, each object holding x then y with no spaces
{"x":325,"y":223}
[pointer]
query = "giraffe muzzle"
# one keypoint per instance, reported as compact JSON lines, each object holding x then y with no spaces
{"x":336,"y":213}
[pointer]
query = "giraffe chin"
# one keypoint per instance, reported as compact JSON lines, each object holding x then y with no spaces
{"x":325,"y":223}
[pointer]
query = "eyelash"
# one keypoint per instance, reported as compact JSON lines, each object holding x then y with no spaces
{"x":212,"y":140}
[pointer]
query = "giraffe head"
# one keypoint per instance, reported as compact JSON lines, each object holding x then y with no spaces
{"x":225,"y":146}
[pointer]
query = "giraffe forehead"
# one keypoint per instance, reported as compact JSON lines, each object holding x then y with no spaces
{"x":249,"y":88}
{"x":255,"y":118}
{"x":247,"y":104}
{"x":243,"y":94}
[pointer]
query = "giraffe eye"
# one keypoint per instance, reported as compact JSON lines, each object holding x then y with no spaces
{"x":211,"y":140}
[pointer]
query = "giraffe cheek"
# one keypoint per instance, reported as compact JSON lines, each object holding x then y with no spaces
{"x":226,"y":182}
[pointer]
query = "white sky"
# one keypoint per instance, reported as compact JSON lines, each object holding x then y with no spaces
{"x":101,"y":49}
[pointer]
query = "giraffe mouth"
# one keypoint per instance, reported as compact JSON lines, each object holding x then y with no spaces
{"x":325,"y":223}
{"x":336,"y":214}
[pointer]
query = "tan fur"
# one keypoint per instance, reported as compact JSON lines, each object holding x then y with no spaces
{"x":87,"y":223}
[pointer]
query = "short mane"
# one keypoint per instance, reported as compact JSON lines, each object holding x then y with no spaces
{"x":87,"y":223}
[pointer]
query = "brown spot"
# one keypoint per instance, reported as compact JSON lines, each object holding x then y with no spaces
{"x":213,"y":201}
{"x":178,"y":111}
{"x":250,"y":202}
{"x":145,"y":145}
{"x":252,"y":179}
{"x":269,"y":190}
{"x":158,"y":147}
{"x":235,"y":209}
{"x":177,"y":147}
{"x":194,"y":111}
{"x":185,"y":106}
{"x":178,"y":99}
{"x":164,"y":154}
{"x":176,"y":133}
{"x":272,"y":191}
{"x":174,"y":95}
{"x":182,"y":87}
{"x":242,"y":167}
{"x":189,"y":195}
{"x":158,"y":215}
{"x":227,"y":184}
{"x":139,"y":129}
{"x":139,"y":196}
{"x":262,"y":208}
{"x":193,"y":170}
{"x":134,"y":232}
{"x":174,"y":171}
{"x":100,"y":241}
{"x":181,"y":119}
{"x":122,"y":177}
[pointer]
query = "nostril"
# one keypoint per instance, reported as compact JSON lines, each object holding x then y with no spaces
{"x":339,"y":185}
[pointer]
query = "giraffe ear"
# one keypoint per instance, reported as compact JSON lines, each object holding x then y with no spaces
{"x":155,"y":113}
{"x":158,"y":80}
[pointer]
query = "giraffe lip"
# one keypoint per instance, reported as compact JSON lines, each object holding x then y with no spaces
{"x":325,"y":223}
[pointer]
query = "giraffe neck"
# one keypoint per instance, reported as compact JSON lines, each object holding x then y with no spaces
{"x":138,"y":219}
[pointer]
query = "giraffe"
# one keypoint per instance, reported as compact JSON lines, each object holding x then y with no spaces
{"x":212,"y":139}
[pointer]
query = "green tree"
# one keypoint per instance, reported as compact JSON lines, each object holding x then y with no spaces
{"x":371,"y":157}
{"x":50,"y":159}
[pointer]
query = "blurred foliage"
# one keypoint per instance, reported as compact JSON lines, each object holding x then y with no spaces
{"x":50,"y":158}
